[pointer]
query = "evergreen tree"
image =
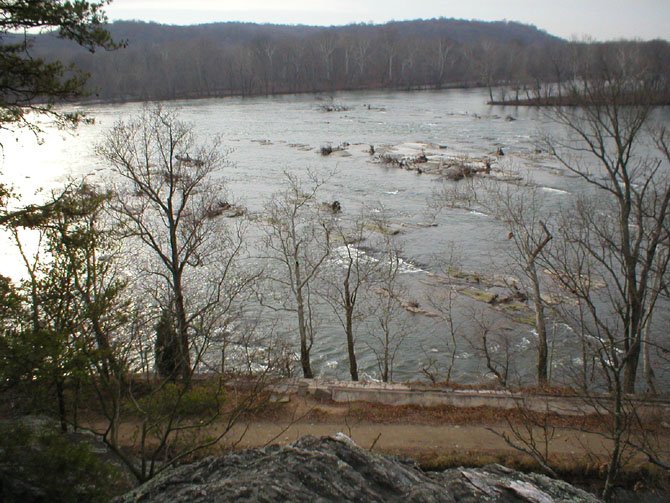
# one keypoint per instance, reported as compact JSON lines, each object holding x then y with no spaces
{"x":167,"y":346}
{"x":28,"y":83}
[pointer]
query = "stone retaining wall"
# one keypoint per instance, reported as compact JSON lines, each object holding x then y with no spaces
{"x":406,"y":394}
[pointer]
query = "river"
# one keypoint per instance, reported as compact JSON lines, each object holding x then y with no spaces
{"x":269,"y":135}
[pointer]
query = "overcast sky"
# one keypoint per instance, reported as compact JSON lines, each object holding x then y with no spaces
{"x":600,"y":19}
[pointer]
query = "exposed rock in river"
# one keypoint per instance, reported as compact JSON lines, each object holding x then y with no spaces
{"x":339,"y":151}
{"x":334,"y":107}
{"x":431,"y":159}
{"x":335,"y":469}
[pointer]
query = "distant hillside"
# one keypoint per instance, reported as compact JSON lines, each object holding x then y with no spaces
{"x":221,"y":59}
{"x":245,"y":33}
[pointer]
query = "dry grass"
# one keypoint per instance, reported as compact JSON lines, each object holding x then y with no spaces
{"x":463,"y":416}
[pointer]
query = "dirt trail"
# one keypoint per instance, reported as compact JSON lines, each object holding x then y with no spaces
{"x":414,"y":432}
{"x":417,"y":440}
{"x":426,"y":435}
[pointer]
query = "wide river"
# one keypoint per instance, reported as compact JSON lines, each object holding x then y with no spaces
{"x":269,"y":135}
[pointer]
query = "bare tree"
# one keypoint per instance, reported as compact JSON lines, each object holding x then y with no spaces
{"x":443,"y":300}
{"x":487,"y":64}
{"x":326,"y":45}
{"x":444,"y":57}
{"x":349,"y":278}
{"x":493,"y":344}
{"x":360,"y":53}
{"x":169,"y":200}
{"x":521,"y":210}
{"x":389,"y":46}
{"x":390,"y":330}
{"x":297,"y":239}
{"x":532,"y":434}
{"x":170,"y":203}
{"x":617,"y":234}
{"x":265,"y":51}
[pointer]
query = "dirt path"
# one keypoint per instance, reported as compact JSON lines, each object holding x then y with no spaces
{"x":418,"y":440}
{"x":400,"y":431}
{"x":432,"y":436}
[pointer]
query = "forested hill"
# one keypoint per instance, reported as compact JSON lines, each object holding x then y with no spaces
{"x":221,"y":59}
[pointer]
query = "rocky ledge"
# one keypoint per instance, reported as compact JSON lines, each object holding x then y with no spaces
{"x":335,"y":469}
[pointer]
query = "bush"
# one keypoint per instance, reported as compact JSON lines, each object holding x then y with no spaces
{"x":172,"y":399}
{"x":43,"y":465}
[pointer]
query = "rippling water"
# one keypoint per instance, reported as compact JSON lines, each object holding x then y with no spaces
{"x":270,"y":135}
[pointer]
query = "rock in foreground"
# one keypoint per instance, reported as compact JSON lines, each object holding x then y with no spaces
{"x":335,"y":469}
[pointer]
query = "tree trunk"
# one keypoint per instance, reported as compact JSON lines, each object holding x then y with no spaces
{"x":302,"y":327}
{"x":630,"y":368}
{"x":349,"y":313}
{"x":614,"y":465}
{"x":353,"y":365}
{"x":62,"y":415}
{"x":647,"y":369}
{"x":541,"y":329}
{"x":184,"y":363}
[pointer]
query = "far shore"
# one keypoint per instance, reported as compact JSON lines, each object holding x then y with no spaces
{"x":93,"y":100}
{"x":659,"y":99}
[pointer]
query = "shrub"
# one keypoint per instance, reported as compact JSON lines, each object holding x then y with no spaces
{"x":44,"y":465}
{"x":172,"y":399}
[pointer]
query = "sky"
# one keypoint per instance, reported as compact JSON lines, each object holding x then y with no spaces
{"x":599,"y":19}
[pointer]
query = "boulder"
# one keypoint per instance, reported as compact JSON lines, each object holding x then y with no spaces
{"x":335,"y":469}
{"x":335,"y":207}
{"x":456,"y":173}
{"x":334,"y":107}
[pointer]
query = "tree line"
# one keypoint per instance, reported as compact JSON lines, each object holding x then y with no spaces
{"x":223,"y":59}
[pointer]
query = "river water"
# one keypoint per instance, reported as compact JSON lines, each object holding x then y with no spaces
{"x":269,"y":135}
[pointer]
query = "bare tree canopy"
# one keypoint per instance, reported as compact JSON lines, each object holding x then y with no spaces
{"x":169,"y":195}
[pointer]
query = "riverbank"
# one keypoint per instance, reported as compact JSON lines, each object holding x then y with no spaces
{"x":658,"y":99}
{"x":438,"y":427}
{"x":388,"y":418}
{"x":319,"y":93}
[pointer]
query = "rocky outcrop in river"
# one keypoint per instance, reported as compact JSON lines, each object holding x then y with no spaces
{"x":335,"y":469}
